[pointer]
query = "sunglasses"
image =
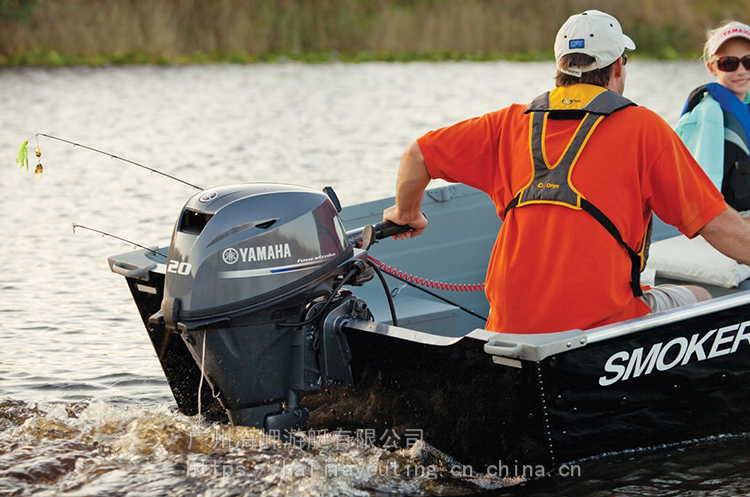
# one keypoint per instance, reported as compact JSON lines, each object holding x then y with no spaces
{"x":730,"y":64}
{"x":624,"y":59}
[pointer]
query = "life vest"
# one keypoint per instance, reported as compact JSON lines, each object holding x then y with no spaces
{"x":735,"y":184}
{"x":551,"y":184}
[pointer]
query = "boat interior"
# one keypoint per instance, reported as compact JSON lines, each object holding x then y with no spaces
{"x":463,"y":260}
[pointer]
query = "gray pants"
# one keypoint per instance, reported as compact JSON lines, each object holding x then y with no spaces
{"x":665,"y":297}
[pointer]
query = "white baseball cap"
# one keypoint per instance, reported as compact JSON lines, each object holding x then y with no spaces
{"x":593,"y":33}
{"x":726,"y":33}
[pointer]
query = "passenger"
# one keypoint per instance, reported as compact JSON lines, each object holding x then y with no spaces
{"x":575,"y":176}
{"x":715,"y":123}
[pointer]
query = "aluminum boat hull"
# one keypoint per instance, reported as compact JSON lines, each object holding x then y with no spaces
{"x":482,"y":397}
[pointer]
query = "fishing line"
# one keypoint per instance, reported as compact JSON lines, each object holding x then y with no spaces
{"x":104,"y":233}
{"x":111,"y":156}
{"x":203,"y":364}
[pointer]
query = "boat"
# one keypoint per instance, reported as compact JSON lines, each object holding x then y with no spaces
{"x":274,"y":307}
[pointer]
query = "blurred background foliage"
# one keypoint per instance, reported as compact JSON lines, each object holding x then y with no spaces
{"x":60,"y":32}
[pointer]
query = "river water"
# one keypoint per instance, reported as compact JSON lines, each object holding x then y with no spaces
{"x":84,"y":407}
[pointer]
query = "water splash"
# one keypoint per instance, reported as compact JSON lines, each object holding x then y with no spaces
{"x":99,"y":449}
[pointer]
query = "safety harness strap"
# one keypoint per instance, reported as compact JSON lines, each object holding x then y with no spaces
{"x":550,"y":184}
{"x":636,"y":259}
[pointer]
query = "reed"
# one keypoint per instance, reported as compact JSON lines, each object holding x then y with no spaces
{"x":169,"y":31}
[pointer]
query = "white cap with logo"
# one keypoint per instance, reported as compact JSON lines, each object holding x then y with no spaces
{"x":726,"y":33}
{"x":593,"y":33}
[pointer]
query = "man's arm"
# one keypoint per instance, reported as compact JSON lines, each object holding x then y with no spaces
{"x":729,"y":233}
{"x":411,"y":183}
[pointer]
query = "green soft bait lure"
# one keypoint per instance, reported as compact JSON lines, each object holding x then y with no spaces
{"x":23,"y":155}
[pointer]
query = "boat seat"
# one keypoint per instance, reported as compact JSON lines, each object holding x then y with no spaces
{"x":695,"y":261}
{"x":715,"y":291}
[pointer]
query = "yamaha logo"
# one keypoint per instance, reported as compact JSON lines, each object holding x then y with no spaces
{"x":256,"y":254}
{"x":230,"y":255}
{"x":208,"y":196}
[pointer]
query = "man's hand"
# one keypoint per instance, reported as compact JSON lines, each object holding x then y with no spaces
{"x":417,"y":222}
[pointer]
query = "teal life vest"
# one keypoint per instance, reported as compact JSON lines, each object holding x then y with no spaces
{"x":552,"y":184}
{"x":735,"y":184}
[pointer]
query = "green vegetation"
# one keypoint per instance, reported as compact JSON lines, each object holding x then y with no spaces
{"x":53,"y":58}
{"x":98,"y":32}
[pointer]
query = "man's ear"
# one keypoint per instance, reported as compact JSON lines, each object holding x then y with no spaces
{"x":617,"y":68}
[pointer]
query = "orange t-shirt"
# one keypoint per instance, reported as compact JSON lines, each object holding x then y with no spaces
{"x":554,"y":268}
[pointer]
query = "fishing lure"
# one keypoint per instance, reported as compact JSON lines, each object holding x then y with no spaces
{"x":23,"y":155}
{"x":38,"y":170}
{"x":23,"y":159}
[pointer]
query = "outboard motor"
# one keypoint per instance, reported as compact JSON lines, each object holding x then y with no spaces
{"x":253,"y":272}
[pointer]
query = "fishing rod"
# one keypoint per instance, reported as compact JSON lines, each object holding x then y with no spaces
{"x":376,"y":264}
{"x":23,"y":160}
{"x":104,"y":233}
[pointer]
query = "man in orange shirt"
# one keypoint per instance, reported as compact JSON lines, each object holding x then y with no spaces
{"x":575,"y":176}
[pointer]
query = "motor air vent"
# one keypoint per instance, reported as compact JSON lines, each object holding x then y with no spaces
{"x":266,"y":224}
{"x":193,"y":222}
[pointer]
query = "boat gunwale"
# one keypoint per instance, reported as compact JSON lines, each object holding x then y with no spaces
{"x":683,"y":313}
{"x":536,"y":347}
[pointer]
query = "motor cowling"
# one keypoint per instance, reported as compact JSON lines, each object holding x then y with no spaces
{"x":244,"y":246}
{"x":252,"y":272}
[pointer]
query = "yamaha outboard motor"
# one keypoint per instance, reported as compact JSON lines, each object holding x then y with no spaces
{"x":253,"y":272}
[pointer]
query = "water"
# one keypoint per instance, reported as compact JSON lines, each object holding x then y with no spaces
{"x":84,"y":407}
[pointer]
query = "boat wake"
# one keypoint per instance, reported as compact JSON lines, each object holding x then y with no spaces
{"x":97,"y":448}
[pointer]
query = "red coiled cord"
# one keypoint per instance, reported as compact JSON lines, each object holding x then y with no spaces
{"x":451,"y":287}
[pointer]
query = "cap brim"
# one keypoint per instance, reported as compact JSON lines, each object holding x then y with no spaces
{"x":629,"y":44}
{"x":738,"y":35}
